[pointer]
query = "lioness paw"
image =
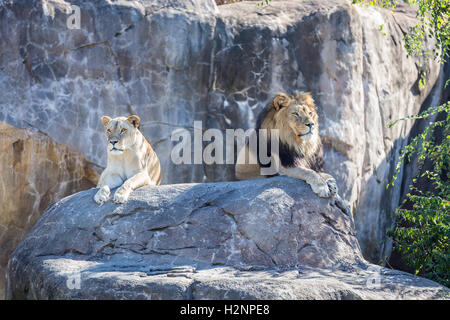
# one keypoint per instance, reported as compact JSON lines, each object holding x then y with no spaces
{"x":121,"y":195}
{"x":102,"y":195}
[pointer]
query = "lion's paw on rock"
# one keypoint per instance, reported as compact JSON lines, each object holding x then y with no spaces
{"x":102,"y":195}
{"x":121,"y":195}
{"x":321,"y":189}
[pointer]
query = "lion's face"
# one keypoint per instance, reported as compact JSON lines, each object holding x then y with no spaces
{"x":120,"y":133}
{"x":296,"y":117}
{"x":302,"y":119}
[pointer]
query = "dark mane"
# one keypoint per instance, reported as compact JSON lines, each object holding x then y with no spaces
{"x":288,"y":155}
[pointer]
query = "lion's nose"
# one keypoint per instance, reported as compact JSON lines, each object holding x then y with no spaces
{"x":113,"y":141}
{"x":310,"y":125}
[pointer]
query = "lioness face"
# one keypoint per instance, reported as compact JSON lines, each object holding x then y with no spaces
{"x":120,"y":133}
{"x":302,"y":119}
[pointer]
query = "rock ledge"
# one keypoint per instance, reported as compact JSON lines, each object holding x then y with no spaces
{"x":259,"y":239}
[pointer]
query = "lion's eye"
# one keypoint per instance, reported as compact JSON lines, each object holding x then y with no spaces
{"x":109,"y":130}
{"x":123,"y":130}
{"x":296,"y":115}
{"x":310,"y":113}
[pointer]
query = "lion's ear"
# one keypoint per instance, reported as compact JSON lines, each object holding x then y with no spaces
{"x":282,"y":100}
{"x":106,"y":120}
{"x":309,"y":100}
{"x":134,"y":120}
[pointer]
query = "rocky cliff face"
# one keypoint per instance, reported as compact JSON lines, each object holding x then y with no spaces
{"x":173,"y":62}
{"x":35,"y":172}
{"x":264,"y":239}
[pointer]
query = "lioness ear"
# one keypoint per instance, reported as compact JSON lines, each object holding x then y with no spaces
{"x":134,"y":120}
{"x":106,"y":120}
{"x":282,"y":100}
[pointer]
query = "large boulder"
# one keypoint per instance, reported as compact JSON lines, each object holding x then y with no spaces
{"x":269,"y":238}
{"x":35,"y":172}
{"x":173,"y":62}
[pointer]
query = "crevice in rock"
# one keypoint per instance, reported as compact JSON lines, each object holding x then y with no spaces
{"x":156,"y":229}
{"x":162,"y":228}
{"x":331,"y":223}
{"x":306,"y":245}
{"x":98,"y":236}
{"x":91,"y":45}
{"x":65,"y":252}
{"x":119,"y":33}
{"x":118,"y":215}
{"x":30,"y":70}
{"x":339,"y":202}
{"x":265,"y":253}
{"x":180,"y":248}
{"x":190,"y":290}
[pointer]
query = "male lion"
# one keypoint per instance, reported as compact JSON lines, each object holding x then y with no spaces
{"x":300,"y":152}
{"x":132,"y":163}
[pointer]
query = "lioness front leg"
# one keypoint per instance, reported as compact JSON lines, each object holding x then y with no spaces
{"x":138,"y":180}
{"x":107,"y":182}
{"x":317,"y":183}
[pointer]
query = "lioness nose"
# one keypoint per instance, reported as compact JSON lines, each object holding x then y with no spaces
{"x":113,"y":141}
{"x":310,"y":124}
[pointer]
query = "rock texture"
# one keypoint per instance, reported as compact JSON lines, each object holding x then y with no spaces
{"x":35,"y":172}
{"x":360,"y":78}
{"x":264,"y":239}
{"x":173,"y":62}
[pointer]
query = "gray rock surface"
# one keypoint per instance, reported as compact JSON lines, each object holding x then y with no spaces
{"x":259,"y":239}
{"x":173,"y":62}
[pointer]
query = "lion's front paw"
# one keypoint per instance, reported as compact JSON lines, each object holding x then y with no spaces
{"x":102,"y":195}
{"x":121,"y":195}
{"x":321,"y":189}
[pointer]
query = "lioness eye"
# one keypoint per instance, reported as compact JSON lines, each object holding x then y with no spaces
{"x":123,"y":130}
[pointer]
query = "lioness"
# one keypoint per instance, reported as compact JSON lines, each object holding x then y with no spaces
{"x":300,"y":152}
{"x":132,"y":163}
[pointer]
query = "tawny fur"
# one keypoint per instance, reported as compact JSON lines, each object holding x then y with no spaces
{"x":132,"y":163}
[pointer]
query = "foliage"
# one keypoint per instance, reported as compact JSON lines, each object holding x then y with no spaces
{"x":422,"y":232}
{"x":422,"y":229}
{"x":263,"y":2}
